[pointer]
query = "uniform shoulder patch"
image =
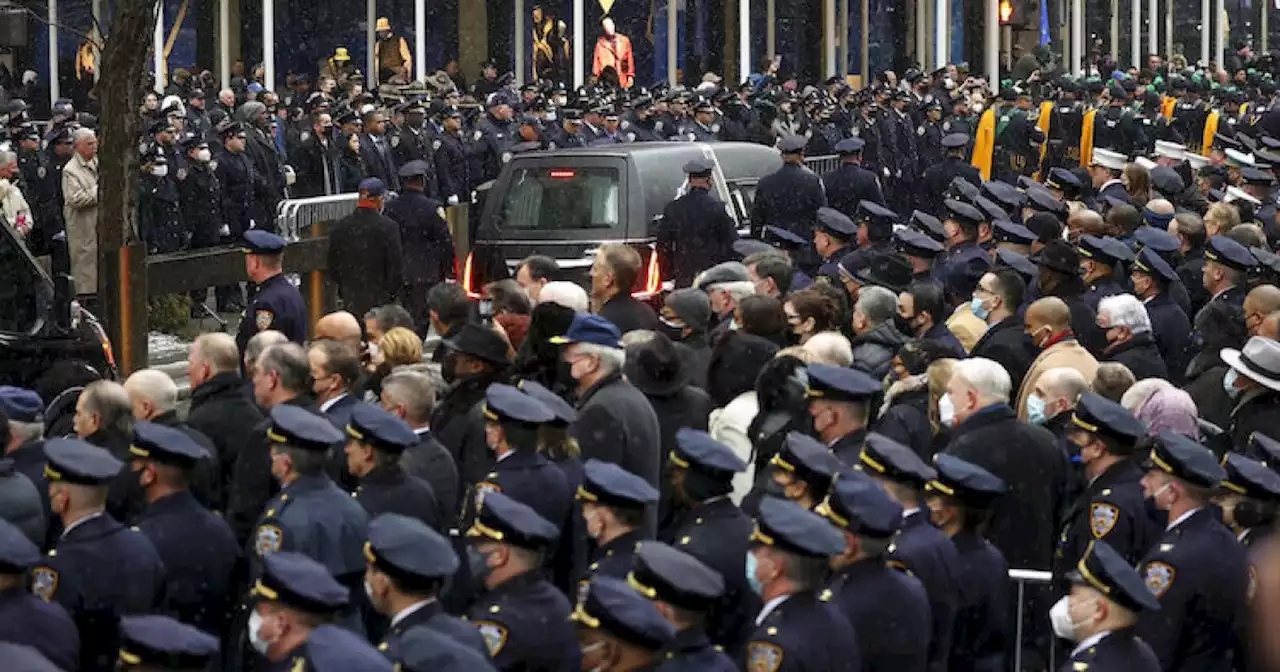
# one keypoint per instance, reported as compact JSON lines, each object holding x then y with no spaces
{"x":1102,"y":517}
{"x":946,"y":127}
{"x":435,"y":145}
{"x":304,"y":136}
{"x":268,"y":539}
{"x":395,"y":141}
{"x":477,"y":135}
{"x":483,"y":489}
{"x":41,"y":172}
{"x":763,"y":657}
{"x":263,"y":319}
{"x":494,"y":635}
{"x":920,"y":131}
{"x":44,"y":582}
{"x":1159,"y":577}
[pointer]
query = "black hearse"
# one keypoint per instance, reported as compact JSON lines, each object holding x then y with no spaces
{"x":566,"y":203}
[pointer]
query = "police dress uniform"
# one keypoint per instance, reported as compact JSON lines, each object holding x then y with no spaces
{"x":161,"y":642}
{"x":453,"y":170}
{"x":851,"y":183}
{"x":606,"y":484}
{"x":664,"y":574}
{"x":923,"y":548}
{"x":1104,"y":570}
{"x":714,"y":530}
{"x":696,"y":231}
{"x":1170,"y":324}
{"x":801,"y":630}
{"x":884,"y":602}
{"x":524,"y":620}
{"x":492,"y":140}
{"x":840,"y":384}
{"x":1197,"y":571}
{"x":614,"y":608}
{"x":789,"y":199}
{"x":25,"y":618}
{"x":425,"y":242}
{"x":197,"y":547}
{"x":99,"y":569}
{"x":278,"y":304}
{"x":938,"y":176}
{"x":879,"y":221}
{"x":387,"y":488}
{"x":1111,"y":253}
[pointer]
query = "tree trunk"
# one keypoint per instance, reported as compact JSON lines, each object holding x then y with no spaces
{"x":120,"y":89}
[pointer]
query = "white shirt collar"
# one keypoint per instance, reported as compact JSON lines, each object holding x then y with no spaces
{"x":409,"y":611}
{"x":505,"y":455}
{"x":324,"y":408}
{"x":1089,"y":641}
{"x":907,"y":513}
{"x":80,"y":522}
{"x":422,"y":430}
{"x":769,"y":607}
{"x":1224,"y":290}
{"x":1244,"y":535}
{"x":1180,"y":519}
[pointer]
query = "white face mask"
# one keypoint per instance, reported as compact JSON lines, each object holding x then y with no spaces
{"x":977,"y":108}
{"x":1060,"y":617}
{"x":204,"y":155}
{"x":160,"y":171}
{"x":368,"y":590}
{"x":946,"y":411}
{"x":255,"y":633}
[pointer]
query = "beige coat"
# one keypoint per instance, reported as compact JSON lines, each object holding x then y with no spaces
{"x":1063,"y":354}
{"x":14,"y":208}
{"x":967,"y":327}
{"x":80,"y":194}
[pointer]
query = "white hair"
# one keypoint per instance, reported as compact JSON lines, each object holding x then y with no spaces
{"x":611,"y":359}
{"x":1125,"y":310}
{"x":739,"y":290}
{"x":155,"y":386}
{"x":566,"y":294}
{"x":1140,"y":392}
{"x":985,"y":376}
{"x":877,"y":304}
{"x":26,"y":431}
{"x":1064,"y":381}
{"x":82,"y":134}
{"x":830,"y":347}
{"x":8,"y":156}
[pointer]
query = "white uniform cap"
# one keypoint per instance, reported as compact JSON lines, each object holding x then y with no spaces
{"x":1197,"y":161}
{"x":1238,"y":158}
{"x":1170,"y":150}
{"x":1145,"y":162}
{"x":1238,"y":194}
{"x":1108,"y":159}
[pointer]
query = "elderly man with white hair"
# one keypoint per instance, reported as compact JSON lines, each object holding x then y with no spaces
{"x":830,"y":347}
{"x":726,"y":284}
{"x":80,"y":209}
{"x":876,"y":339}
{"x":989,"y":434}
{"x":567,"y":294}
{"x":1130,"y":342}
{"x":154,"y":397}
{"x":13,"y":205}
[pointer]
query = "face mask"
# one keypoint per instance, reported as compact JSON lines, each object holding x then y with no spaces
{"x":255,"y":633}
{"x":368,"y":590}
{"x":1035,"y":410}
{"x":478,"y":563}
{"x":159,"y":171}
{"x":946,"y":411}
{"x":977,"y":108}
{"x":449,"y":368}
{"x":904,"y":325}
{"x":756,"y":586}
{"x":204,"y":155}
{"x":1229,"y":383}
{"x":979,"y":311}
{"x":734,"y":326}
{"x":1060,"y":617}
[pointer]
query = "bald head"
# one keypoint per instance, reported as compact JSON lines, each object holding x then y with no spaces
{"x":339,"y":326}
{"x":151,"y":393}
{"x":1270,"y":327}
{"x":1259,"y":303}
{"x":1160,"y":207}
{"x":1086,"y":223}
{"x":1049,"y":312}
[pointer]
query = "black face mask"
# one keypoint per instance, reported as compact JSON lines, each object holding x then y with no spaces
{"x":449,"y":368}
{"x":327,"y":131}
{"x":1250,"y":514}
{"x":904,"y":325}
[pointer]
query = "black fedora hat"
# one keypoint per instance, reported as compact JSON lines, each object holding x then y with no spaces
{"x":655,"y":367}
{"x":1058,"y":255}
{"x":886,"y":270}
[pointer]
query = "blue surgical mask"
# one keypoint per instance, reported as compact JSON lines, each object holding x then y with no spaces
{"x":1229,"y":383}
{"x":1035,"y":409}
{"x":979,"y":311}
{"x":756,"y":586}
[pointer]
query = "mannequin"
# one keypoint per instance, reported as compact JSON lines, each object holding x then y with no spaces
{"x":614,"y":50}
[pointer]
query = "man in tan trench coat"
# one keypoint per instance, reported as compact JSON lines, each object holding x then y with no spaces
{"x":80,"y":194}
{"x":1048,"y":322}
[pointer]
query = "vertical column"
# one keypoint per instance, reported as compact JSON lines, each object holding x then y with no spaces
{"x":771,"y":30}
{"x":54,"y":94}
{"x":97,"y":53}
{"x":224,"y":45}
{"x":673,"y":27}
{"x":522,"y":68}
{"x":1135,"y":33}
{"x":579,"y":42}
{"x":1077,"y":37}
{"x":1263,"y":21}
{"x":942,"y":37}
{"x":1206,"y":29}
{"x":1153,"y":26}
{"x":865,"y":46}
{"x":269,"y":42}
{"x":829,"y":37}
{"x":991,"y":43}
{"x":744,"y":39}
{"x":1115,"y":29}
{"x":1220,"y":24}
{"x":157,"y":46}
{"x":843,"y":54}
{"x":370,"y":20}
{"x":1168,"y":27}
{"x":922,"y":32}
{"x":419,"y":39}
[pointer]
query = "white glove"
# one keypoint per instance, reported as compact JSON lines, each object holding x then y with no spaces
{"x":886,"y":172}
{"x":224,"y":231}
{"x":452,"y":200}
{"x":289,"y":176}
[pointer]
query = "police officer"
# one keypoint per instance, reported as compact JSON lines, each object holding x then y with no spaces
{"x":643,"y":124}
{"x":920,"y":251}
{"x":1101,"y":265}
{"x":99,"y":569}
{"x":160,"y":223}
{"x":24,"y":618}
{"x":197,"y":547}
{"x":839,"y":401}
{"x":929,"y":134}
{"x":939,"y":176}
{"x":1250,"y":494}
{"x":851,"y":183}
{"x":1111,"y":506}
{"x":376,"y":440}
{"x":1226,"y":265}
{"x":425,"y":241}
{"x":160,"y":642}
{"x":406,"y":566}
{"x":1066,"y":121}
{"x":789,"y":554}
{"x":684,"y":590}
{"x":1197,"y":570}
{"x":568,"y":133}
{"x":696,"y":231}
{"x":315,"y":158}
{"x":923,"y":548}
{"x":293,"y":595}
{"x":702,"y":128}
{"x":801,"y":471}
{"x":1114,"y":600}
{"x":618,"y":628}
{"x":961,"y":222}
{"x":830,"y":239}
{"x":32,"y":163}
{"x":413,"y":142}
{"x":238,"y":177}
{"x":711,"y":528}
{"x":453,"y":170}
{"x":789,"y":199}
{"x":960,"y":501}
{"x":1153,"y":281}
{"x":523,"y":619}
{"x":277,"y":304}
{"x":1114,"y":126}
{"x":613,"y":503}
{"x":494,"y":134}
{"x":886,"y":605}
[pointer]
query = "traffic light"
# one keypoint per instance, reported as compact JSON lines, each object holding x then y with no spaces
{"x":1006,"y":12}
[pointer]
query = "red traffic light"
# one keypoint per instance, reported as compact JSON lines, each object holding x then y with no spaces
{"x":1006,"y":11}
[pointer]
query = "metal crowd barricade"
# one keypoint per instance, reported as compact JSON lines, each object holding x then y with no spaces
{"x":1022,"y":577}
{"x":821,"y":165}
{"x":295,"y":215}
